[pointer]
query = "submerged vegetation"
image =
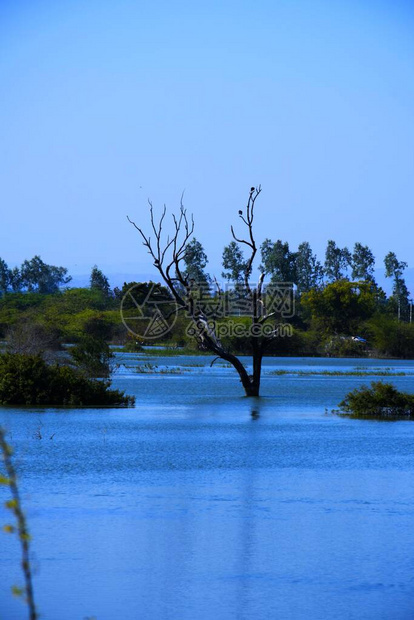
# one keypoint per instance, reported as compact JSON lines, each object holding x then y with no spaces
{"x":154,"y":369}
{"x":381,"y":400}
{"x":341,"y":373}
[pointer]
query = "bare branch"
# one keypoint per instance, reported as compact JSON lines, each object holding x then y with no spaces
{"x":215,"y":360}
{"x":168,"y":256}
{"x":240,"y":240}
{"x":247,"y":219}
{"x":259,"y":287}
{"x":220,"y":292}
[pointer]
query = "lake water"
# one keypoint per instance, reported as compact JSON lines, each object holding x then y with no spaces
{"x":202,"y":504}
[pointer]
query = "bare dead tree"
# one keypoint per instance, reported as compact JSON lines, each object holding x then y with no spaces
{"x":167,"y":256}
{"x":32,"y":339}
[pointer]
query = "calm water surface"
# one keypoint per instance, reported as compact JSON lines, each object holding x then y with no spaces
{"x":202,"y":504}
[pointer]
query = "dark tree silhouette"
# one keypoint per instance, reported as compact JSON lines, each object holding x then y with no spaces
{"x":168,"y":255}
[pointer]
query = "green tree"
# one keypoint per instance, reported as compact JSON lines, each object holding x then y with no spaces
{"x":362,"y":263}
{"x":15,"y":280}
{"x":337,"y":261}
{"x":400,"y":294}
{"x":309,"y":271}
{"x":92,"y":356}
{"x":234,"y":263}
{"x":37,"y":276}
{"x":278,"y":261}
{"x":342,"y":306}
{"x":10,"y":279}
{"x":133,"y":294}
{"x":5,"y":277}
{"x":391,"y":337}
{"x":99,"y":282}
{"x":195,"y":261}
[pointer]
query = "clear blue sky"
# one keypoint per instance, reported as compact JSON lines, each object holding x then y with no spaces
{"x":105,"y":104}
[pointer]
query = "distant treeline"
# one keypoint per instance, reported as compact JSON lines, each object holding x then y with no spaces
{"x":336,"y":301}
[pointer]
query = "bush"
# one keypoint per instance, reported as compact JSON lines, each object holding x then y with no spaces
{"x":341,"y":306}
{"x":391,"y":337}
{"x":381,"y":400}
{"x":32,"y":339}
{"x":300,"y":344}
{"x":93,"y":357}
{"x":343,"y":346}
{"x":28,"y":380}
{"x":132,"y":345}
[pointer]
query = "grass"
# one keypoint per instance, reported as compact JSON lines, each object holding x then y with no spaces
{"x":167,"y":352}
{"x":340,"y":373}
{"x":154,"y":369}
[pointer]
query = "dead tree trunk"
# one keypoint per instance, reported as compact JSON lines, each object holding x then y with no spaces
{"x":167,"y":256}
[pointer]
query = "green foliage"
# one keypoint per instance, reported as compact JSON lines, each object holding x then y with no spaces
{"x":70,"y":313}
{"x":393,"y":267}
{"x":399,"y":301}
{"x":339,"y":373}
{"x":342,"y":346}
{"x":195,"y":260}
{"x":10,"y":279}
{"x":390,"y":337}
{"x":37,"y":276}
{"x":363,"y":263}
{"x":19,"y":307}
{"x":323,"y":314}
{"x":342,"y":306}
{"x":337,"y":261}
{"x":28,"y":380}
{"x":21,"y":302}
{"x":99,"y":326}
{"x":92,"y":356}
{"x":234,"y":263}
{"x":381,"y":400}
{"x":5,"y":277}
{"x":136,"y":293}
{"x":132,"y":345}
{"x":278,"y":261}
{"x":99,"y":282}
{"x":309,"y":271}
{"x":75,"y":300}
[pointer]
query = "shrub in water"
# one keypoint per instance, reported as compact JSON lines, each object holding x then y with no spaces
{"x":29,"y":380}
{"x":381,"y":400}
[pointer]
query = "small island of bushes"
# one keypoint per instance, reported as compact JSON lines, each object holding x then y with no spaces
{"x":30,"y":380}
{"x":380,"y":401}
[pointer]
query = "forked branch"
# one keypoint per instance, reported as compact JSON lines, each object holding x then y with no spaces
{"x":167,"y":256}
{"x":247,"y":218}
{"x":169,"y":253}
